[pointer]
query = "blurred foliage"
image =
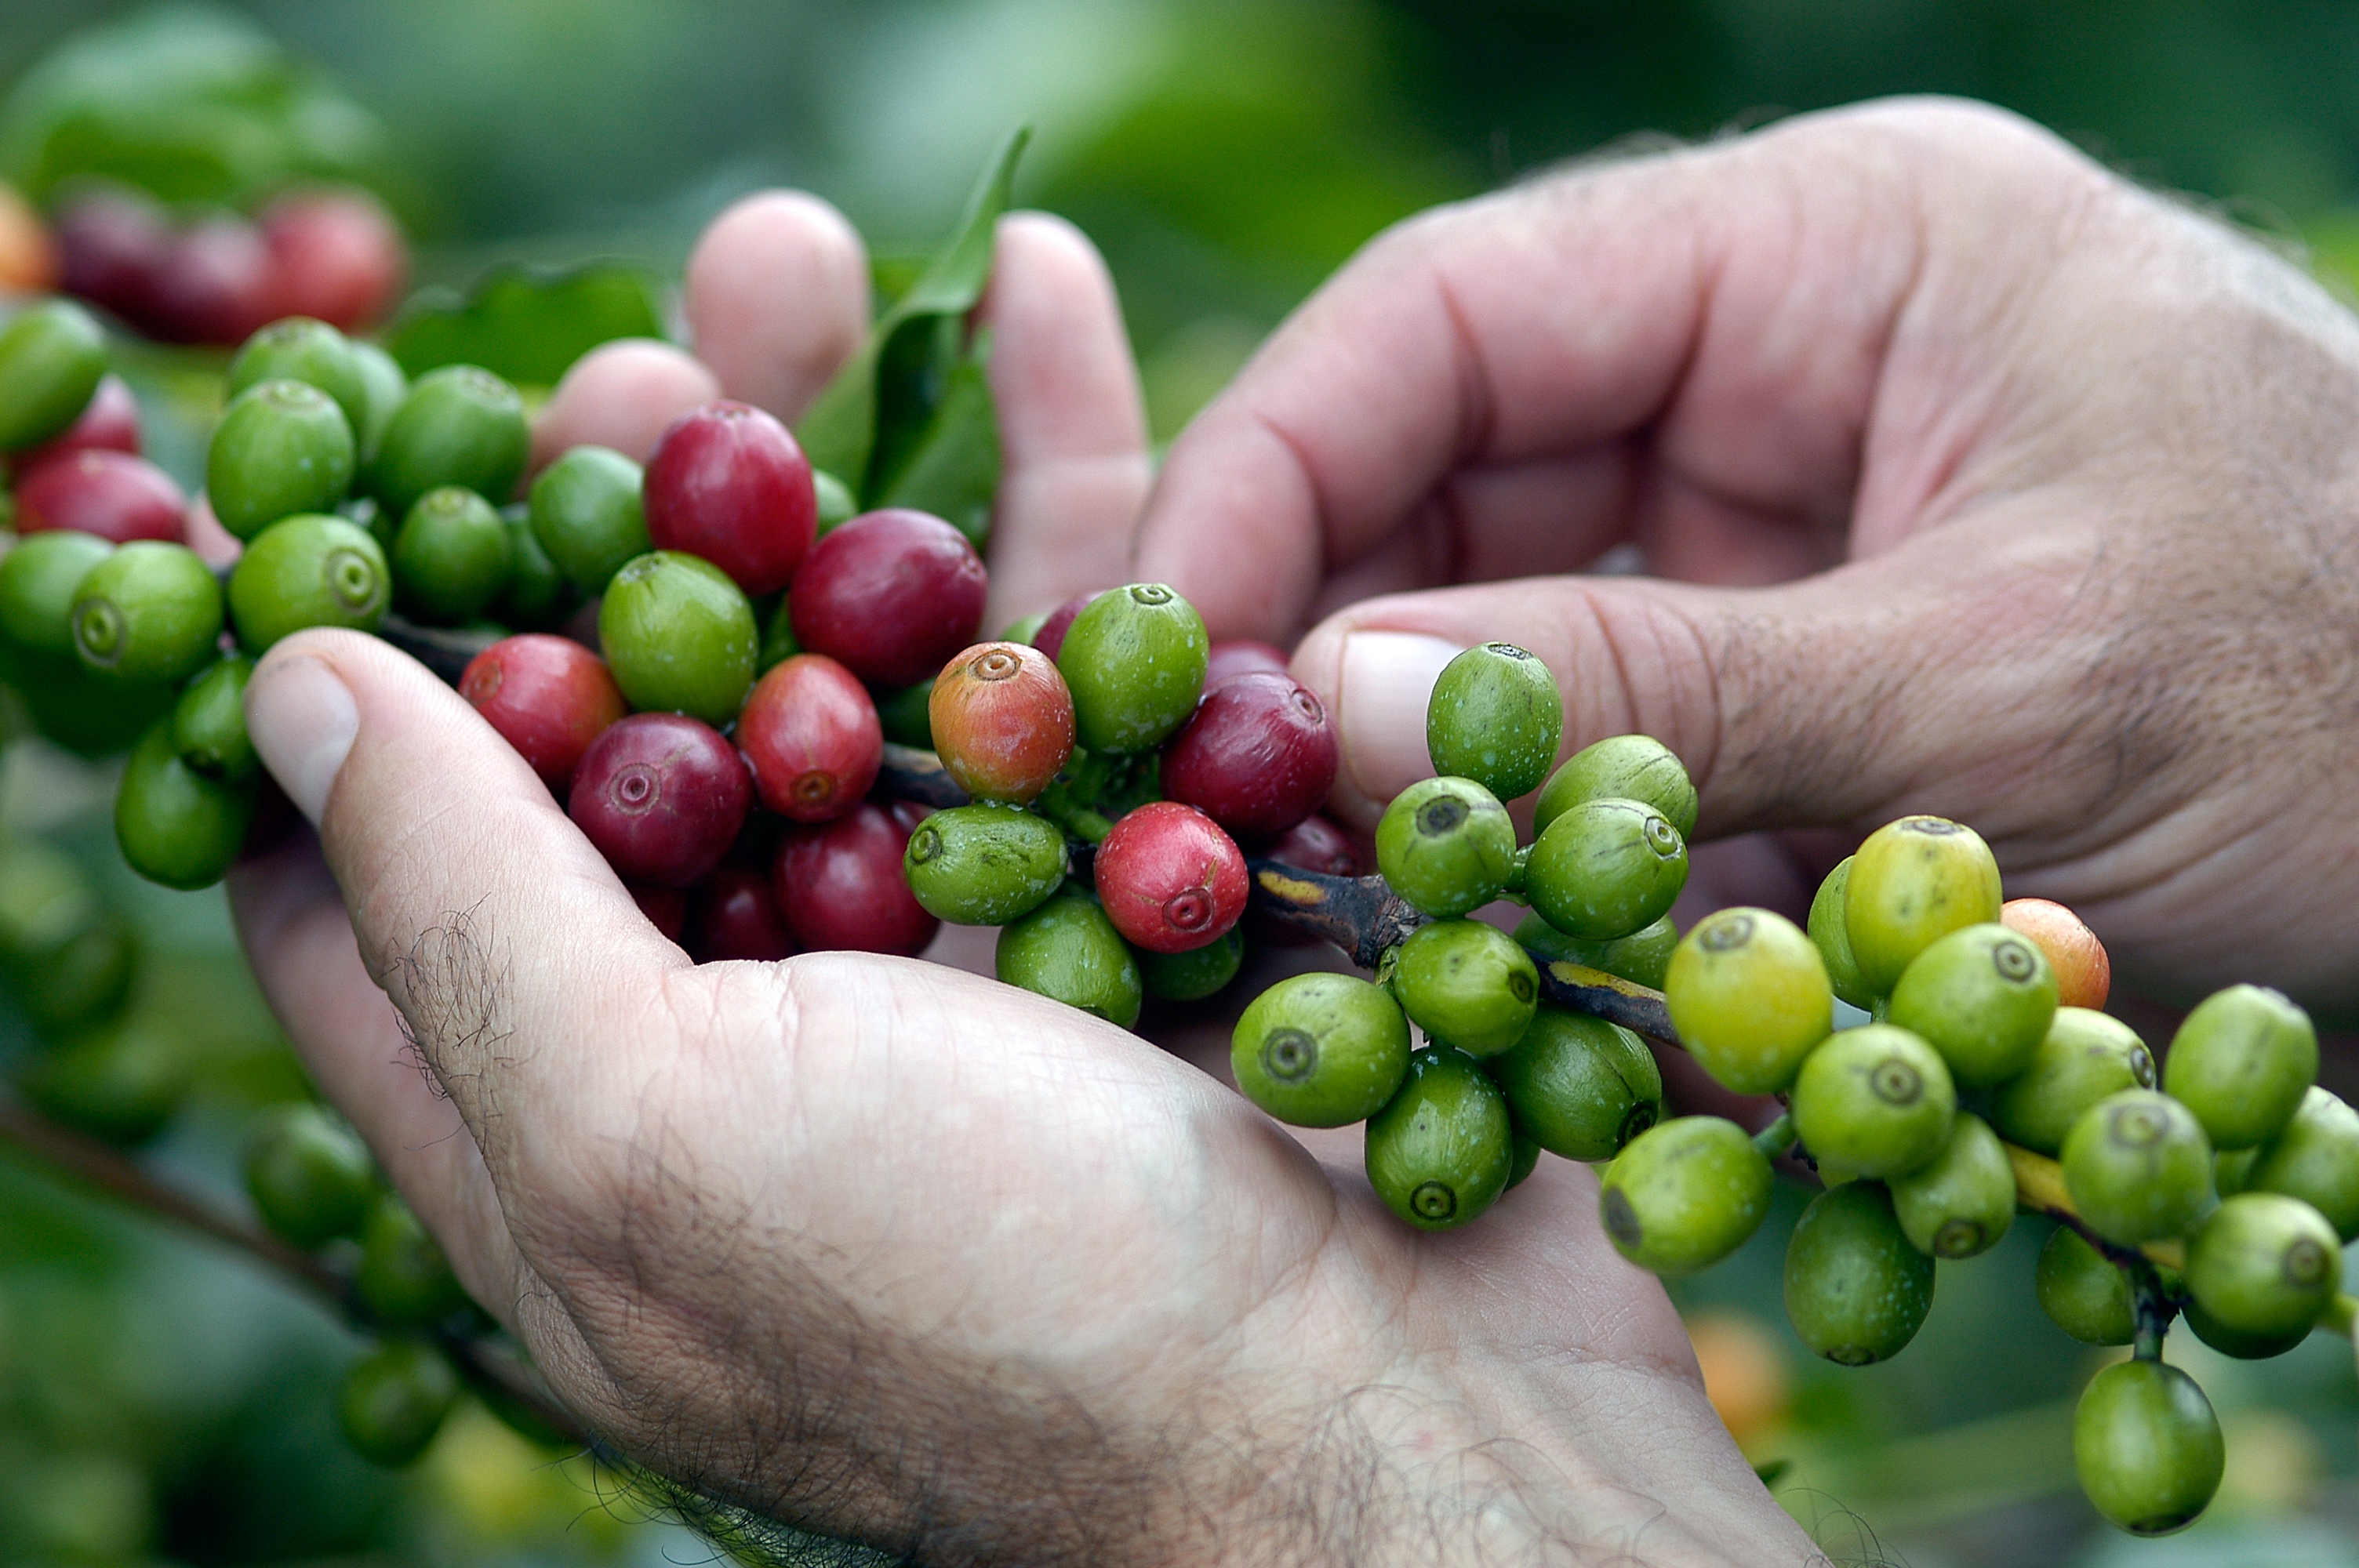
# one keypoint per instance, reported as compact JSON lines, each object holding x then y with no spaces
{"x":526,"y":325}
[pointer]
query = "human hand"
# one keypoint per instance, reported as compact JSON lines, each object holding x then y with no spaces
{"x":1993,"y":486}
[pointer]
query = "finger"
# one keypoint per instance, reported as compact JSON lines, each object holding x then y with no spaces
{"x":1072,"y":429}
{"x":620,"y":394}
{"x":777,"y":295}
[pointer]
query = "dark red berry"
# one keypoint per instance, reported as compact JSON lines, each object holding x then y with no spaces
{"x":1241,"y":657}
{"x":1169,"y":878}
{"x":549,"y":697}
{"x":110,"y":424}
{"x":1316,"y":844}
{"x":840,"y":886}
{"x":662,"y":795}
{"x":1051,"y":638}
{"x":666,"y":909}
{"x":335,"y":254}
{"x":1002,"y":720}
{"x":734,"y":914}
{"x":892,"y":594}
{"x":215,"y":284}
{"x":112,"y":495}
{"x":113,"y":243}
{"x":726,"y":482}
{"x":811,"y":733}
{"x":1258,"y":756}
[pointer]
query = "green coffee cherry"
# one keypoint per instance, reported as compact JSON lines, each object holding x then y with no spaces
{"x":536,"y":595}
{"x":1134,"y":661}
{"x":1748,"y":994}
{"x":394,"y":1400}
{"x":309,"y":1175}
{"x":386,"y":385}
{"x":150,"y":613}
{"x":69,"y":960}
{"x":460,"y":424}
{"x":2139,"y":1167}
{"x":1983,"y":998}
{"x":1913,"y":882}
{"x":1446,"y":845}
{"x":1642,"y":958}
{"x":403,"y":1278}
{"x":2265,"y":1264}
{"x":2085,"y":1056}
{"x":679,"y":636}
{"x":1857,"y":1292}
{"x":1526,"y":1160}
{"x":1684,"y":1194}
{"x":176,"y":826}
{"x":838,"y":506}
{"x":1321,"y":1050}
{"x":121,"y":1080}
{"x":209,"y":722}
{"x":1439,"y":1151}
{"x":2231,"y":1168}
{"x":281,"y":448}
{"x":1620,"y":767}
{"x":2242,"y":1062}
{"x":1494,"y":716}
{"x":1578,"y":1087}
{"x":2147,"y":1447}
{"x":1833,"y":939}
{"x":52,"y":356}
{"x":1196,"y":974}
{"x":1068,"y":950}
{"x":1877,"y":1100}
{"x":304,"y":571}
{"x":38,"y":579}
{"x":2240,"y":1344}
{"x":2085,"y":1292}
{"x":586,"y":513}
{"x":1467,"y":983}
{"x":1961,"y":1204}
{"x":1606,"y":869}
{"x":2315,"y":1158}
{"x":300,"y":349}
{"x":983,"y":864}
{"x":907,"y":714}
{"x":451,"y":557}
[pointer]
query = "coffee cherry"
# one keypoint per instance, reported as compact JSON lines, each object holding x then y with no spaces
{"x":729,"y":483}
{"x":1912,"y":882}
{"x":112,"y":494}
{"x":2083,"y":974}
{"x":1748,"y":993}
{"x":549,"y":697}
{"x":176,"y":826}
{"x":1857,"y":1292}
{"x":1447,"y":846}
{"x":110,"y":422}
{"x":1577,"y":1086}
{"x":1832,"y":938}
{"x":1982,"y":996}
{"x":984,"y":864}
{"x":213,"y":285}
{"x":1001,"y":721}
{"x":2315,"y":1158}
{"x":1494,"y":716}
{"x":1048,"y":636}
{"x":309,"y":1175}
{"x":536,"y":595}
{"x":1224,"y":661}
{"x":387,"y":386}
{"x":1066,"y":950}
{"x":111,"y":240}
{"x":90,"y":715}
{"x":1194,"y":975}
{"x":2084,"y":1057}
{"x":335,"y":254}
{"x":460,"y":424}
{"x":1315,"y":844}
{"x":1467,"y":983}
{"x":2082,"y":1291}
{"x":2239,"y":1344}
{"x":120,"y":1080}
{"x":779,"y":643}
{"x":1643,"y":957}
{"x":149,"y":614}
{"x":2265,"y":1264}
{"x":394,"y":1400}
{"x":304,"y":349}
{"x":1684,"y":1194}
{"x":52,"y":357}
{"x":1961,"y":1204}
{"x":1526,"y":1160}
{"x":662,"y":796}
{"x":38,"y":582}
{"x":734,"y":914}
{"x":894,"y":595}
{"x":304,"y":571}
{"x":1606,"y":868}
{"x":841,"y":885}
{"x":2139,"y":1167}
{"x":587,"y":513}
{"x":403,"y":1278}
{"x":812,"y":736}
{"x":2147,"y":1447}
{"x":209,"y":722}
{"x":1620,"y":767}
{"x":1134,"y":661}
{"x":2242,"y":1062}
{"x":1874,"y":1101}
{"x":678,"y":635}
{"x":1258,"y":756}
{"x":68,"y":957}
{"x":1321,"y":1050}
{"x":1439,"y":1150}
{"x":903,"y":713}
{"x":451,"y":557}
{"x":281,"y":448}
{"x":1170,"y":880}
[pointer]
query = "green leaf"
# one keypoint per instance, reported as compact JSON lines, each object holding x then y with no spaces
{"x":951,"y":468}
{"x":525,"y":325}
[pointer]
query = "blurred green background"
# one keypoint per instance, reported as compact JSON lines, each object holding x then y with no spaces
{"x":159,"y":1401}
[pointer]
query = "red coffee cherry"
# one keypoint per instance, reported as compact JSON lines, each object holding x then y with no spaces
{"x":215,"y":284}
{"x":1316,"y":844}
{"x":892,"y":594}
{"x":549,"y":697}
{"x":1051,"y":638}
{"x":811,"y":733}
{"x":1242,"y":656}
{"x":662,"y":795}
{"x":335,"y":254}
{"x":110,"y":423}
{"x":734,"y":914}
{"x":840,"y":886}
{"x":666,"y":909}
{"x":726,"y":482}
{"x":112,"y":495}
{"x":1258,"y":756}
{"x":112,"y":244}
{"x":1002,"y":720}
{"x":1169,"y":878}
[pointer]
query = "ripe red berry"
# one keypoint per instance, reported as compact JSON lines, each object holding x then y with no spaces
{"x":734,"y":914}
{"x":110,"y":423}
{"x":1002,"y":720}
{"x":1242,"y":656}
{"x":1258,"y":756}
{"x":335,"y":254}
{"x":213,"y":285}
{"x":1051,"y":638}
{"x":1316,"y":844}
{"x":726,"y":482}
{"x":840,"y":886}
{"x":892,"y":594}
{"x":813,"y":735}
{"x":662,"y":795}
{"x":666,"y":909}
{"x":112,"y":244}
{"x":1169,"y":878}
{"x":549,"y":697}
{"x":112,"y":495}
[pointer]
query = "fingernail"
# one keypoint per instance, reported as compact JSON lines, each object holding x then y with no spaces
{"x":1386,"y":679}
{"x":302,"y":720}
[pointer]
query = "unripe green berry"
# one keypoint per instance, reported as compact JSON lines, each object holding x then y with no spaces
{"x":1321,"y":1050}
{"x":984,"y":864}
{"x":1832,"y":938}
{"x":38,"y":579}
{"x":1068,"y":950}
{"x":1134,"y":663}
{"x":309,"y":1175}
{"x":394,"y":1400}
{"x":1605,"y":869}
{"x":1961,"y":1204}
{"x":297,"y":348}
{"x":1494,"y":716}
{"x":2265,"y":1264}
{"x":1983,"y":997}
{"x":1748,"y":994}
{"x":282,"y":447}
{"x":2084,"y":1056}
{"x":209,"y":722}
{"x":150,"y":613}
{"x":2139,"y":1167}
{"x":2147,"y":1447}
{"x":459,"y":425}
{"x":304,"y":571}
{"x":403,"y":1278}
{"x":588,"y":515}
{"x":1439,"y":1150}
{"x":1191,"y":976}
{"x":2085,"y":1292}
{"x":1446,"y":845}
{"x":679,"y":636}
{"x":2315,"y":1158}
{"x":52,"y":356}
{"x":1642,"y":958}
{"x":1912,"y":882}
{"x":451,"y":557}
{"x":176,"y":826}
{"x":1684,"y":1194}
{"x":1467,"y":983}
{"x":1856,"y":1290}
{"x":1620,"y":767}
{"x":2242,"y":1062}
{"x":1578,"y":1087}
{"x":1875,"y":1100}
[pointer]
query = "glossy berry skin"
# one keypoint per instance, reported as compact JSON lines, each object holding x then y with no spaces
{"x":1258,"y":756}
{"x":1170,"y":880}
{"x":1684,"y":1194}
{"x":549,"y":697}
{"x":1447,"y":846}
{"x":1856,"y":1290}
{"x":112,"y":495}
{"x":839,"y":885}
{"x":121,"y":1080}
{"x":728,"y":482}
{"x":2082,"y":1291}
{"x":209,"y":722}
{"x":2147,"y":1447}
{"x":1963,"y":1203}
{"x":1912,"y":882}
{"x":451,"y":557}
{"x":2084,"y":974}
{"x":678,"y":634}
{"x":536,"y":595}
{"x":1196,"y":974}
{"x":1748,"y":993}
{"x":1135,"y":660}
{"x":2139,"y":1167}
{"x":812,"y":736}
{"x":459,"y":425}
{"x":308,"y":1174}
{"x":1578,"y":1087}
{"x":734,"y":914}
{"x":334,"y":253}
{"x":150,"y":612}
{"x":110,"y":422}
{"x":394,"y":1400}
{"x":1467,"y":983}
{"x":213,"y":285}
{"x":38,"y":582}
{"x":1874,"y":1101}
{"x":984,"y":864}
{"x":894,"y":595}
{"x":403,"y":1279}
{"x":1832,"y":938}
{"x":308,"y":570}
{"x":1049,"y":635}
{"x":1320,"y":1049}
{"x":282,"y":447}
{"x":2265,"y":1264}
{"x":1238,"y":656}
{"x":1067,"y":951}
{"x":52,"y":357}
{"x":2242,"y":1062}
{"x":662,"y":796}
{"x":1494,"y":716}
{"x":304,"y":349}
{"x":1983,"y":997}
{"x":111,"y":240}
{"x":1620,"y":767}
{"x":2084,"y":1057}
{"x":1606,"y":868}
{"x":1643,"y":957}
{"x":2315,"y":1158}
{"x":588,"y":515}
{"x":1439,"y":1151}
{"x":67,"y":956}
{"x":1001,"y":721}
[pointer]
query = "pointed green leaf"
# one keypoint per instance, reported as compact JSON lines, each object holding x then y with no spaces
{"x":527,"y":326}
{"x":951,"y":469}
